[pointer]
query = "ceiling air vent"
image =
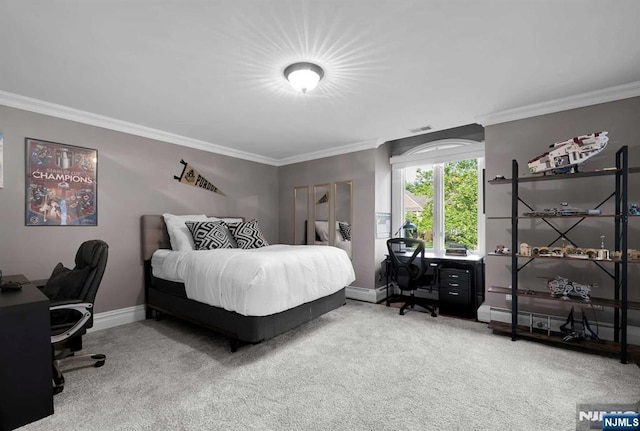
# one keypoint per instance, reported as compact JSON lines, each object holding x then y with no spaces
{"x":421,"y":129}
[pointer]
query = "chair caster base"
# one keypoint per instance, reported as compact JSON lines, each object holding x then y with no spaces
{"x":100,"y":358}
{"x":58,"y":383}
{"x":403,"y":309}
{"x":427,"y":308}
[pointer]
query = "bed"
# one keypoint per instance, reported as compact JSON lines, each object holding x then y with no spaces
{"x":173,"y":290}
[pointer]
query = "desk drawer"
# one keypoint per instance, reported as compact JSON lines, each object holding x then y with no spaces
{"x":455,"y":279}
{"x":455,"y":284}
{"x":455,"y":275}
{"x":454,"y":298}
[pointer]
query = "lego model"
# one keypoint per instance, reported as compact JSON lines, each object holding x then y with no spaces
{"x":501,"y":249}
{"x":571,"y":251}
{"x":632,"y":254}
{"x":565,"y":210}
{"x":566,"y":156}
{"x":574,"y":334}
{"x":561,"y":286}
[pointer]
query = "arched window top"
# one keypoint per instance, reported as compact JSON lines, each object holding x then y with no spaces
{"x":444,"y":150}
{"x":443,"y":144}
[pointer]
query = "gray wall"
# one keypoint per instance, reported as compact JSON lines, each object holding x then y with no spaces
{"x":523,"y":140}
{"x":135,"y":177}
{"x":473,"y":132}
{"x":383,"y":199}
{"x":358,"y":167}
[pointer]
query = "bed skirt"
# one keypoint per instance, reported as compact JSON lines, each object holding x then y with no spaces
{"x":237,"y":327}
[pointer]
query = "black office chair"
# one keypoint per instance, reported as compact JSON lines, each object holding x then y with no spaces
{"x":410,"y":273}
{"x":72,"y":293}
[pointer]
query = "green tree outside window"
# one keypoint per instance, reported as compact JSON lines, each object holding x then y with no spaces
{"x":460,"y":203}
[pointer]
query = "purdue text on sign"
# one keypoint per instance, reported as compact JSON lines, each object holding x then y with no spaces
{"x":192,"y":177}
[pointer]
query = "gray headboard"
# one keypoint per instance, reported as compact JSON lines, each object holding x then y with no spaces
{"x":155,"y":235}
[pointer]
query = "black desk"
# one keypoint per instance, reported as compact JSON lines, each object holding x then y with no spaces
{"x":26,"y":391}
{"x":459,"y":282}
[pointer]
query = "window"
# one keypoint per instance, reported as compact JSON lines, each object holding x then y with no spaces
{"x":437,"y":187}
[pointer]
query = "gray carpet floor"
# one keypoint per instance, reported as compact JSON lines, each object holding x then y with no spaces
{"x":361,"y":367}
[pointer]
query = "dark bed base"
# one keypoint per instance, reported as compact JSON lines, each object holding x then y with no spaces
{"x":238,"y":328}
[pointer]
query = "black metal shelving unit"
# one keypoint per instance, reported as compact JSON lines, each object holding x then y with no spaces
{"x":620,"y":302}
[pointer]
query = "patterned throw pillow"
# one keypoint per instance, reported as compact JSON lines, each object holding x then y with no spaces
{"x":345,"y":230}
{"x":208,"y":235}
{"x":248,"y":234}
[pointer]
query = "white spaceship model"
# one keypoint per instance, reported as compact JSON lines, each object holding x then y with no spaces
{"x":567,"y":155}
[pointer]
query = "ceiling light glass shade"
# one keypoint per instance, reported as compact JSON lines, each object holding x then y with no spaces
{"x":303,"y":76}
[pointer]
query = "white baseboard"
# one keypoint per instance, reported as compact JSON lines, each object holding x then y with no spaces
{"x":122,"y":316}
{"x":368,"y":295}
{"x":486,"y":313}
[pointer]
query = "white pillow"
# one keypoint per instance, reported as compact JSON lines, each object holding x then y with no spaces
{"x":179,"y":234}
{"x":227,"y":219}
{"x":322,"y":230}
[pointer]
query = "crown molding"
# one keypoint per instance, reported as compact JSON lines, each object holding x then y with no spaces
{"x":563,"y":104}
{"x":59,"y":111}
{"x":335,"y":151}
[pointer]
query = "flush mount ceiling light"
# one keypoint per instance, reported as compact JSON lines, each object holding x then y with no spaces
{"x":303,"y":76}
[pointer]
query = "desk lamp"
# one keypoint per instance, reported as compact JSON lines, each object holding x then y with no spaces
{"x":409,"y":229}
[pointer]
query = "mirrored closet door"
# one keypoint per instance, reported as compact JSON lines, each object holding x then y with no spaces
{"x":321,"y":201}
{"x":300,"y":214}
{"x":343,"y":215}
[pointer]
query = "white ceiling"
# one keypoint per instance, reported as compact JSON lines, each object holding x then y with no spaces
{"x":211,"y":70}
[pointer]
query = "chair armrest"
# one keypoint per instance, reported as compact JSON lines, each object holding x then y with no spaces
{"x":59,"y":302}
{"x":83,"y":308}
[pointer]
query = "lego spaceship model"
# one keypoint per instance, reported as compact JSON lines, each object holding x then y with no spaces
{"x":566,"y":156}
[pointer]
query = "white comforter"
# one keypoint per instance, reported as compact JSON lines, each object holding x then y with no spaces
{"x":257,"y":282}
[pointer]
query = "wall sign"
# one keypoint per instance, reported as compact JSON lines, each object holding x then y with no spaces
{"x":193,"y":178}
{"x":383,"y":225}
{"x":61,"y":184}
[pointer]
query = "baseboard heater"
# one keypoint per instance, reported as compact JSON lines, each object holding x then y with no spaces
{"x":487,"y":313}
{"x":368,"y":295}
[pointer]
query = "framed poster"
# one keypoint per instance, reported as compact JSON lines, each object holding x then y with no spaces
{"x":61,"y":184}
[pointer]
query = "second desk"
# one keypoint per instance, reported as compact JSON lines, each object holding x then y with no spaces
{"x":459,"y":282}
